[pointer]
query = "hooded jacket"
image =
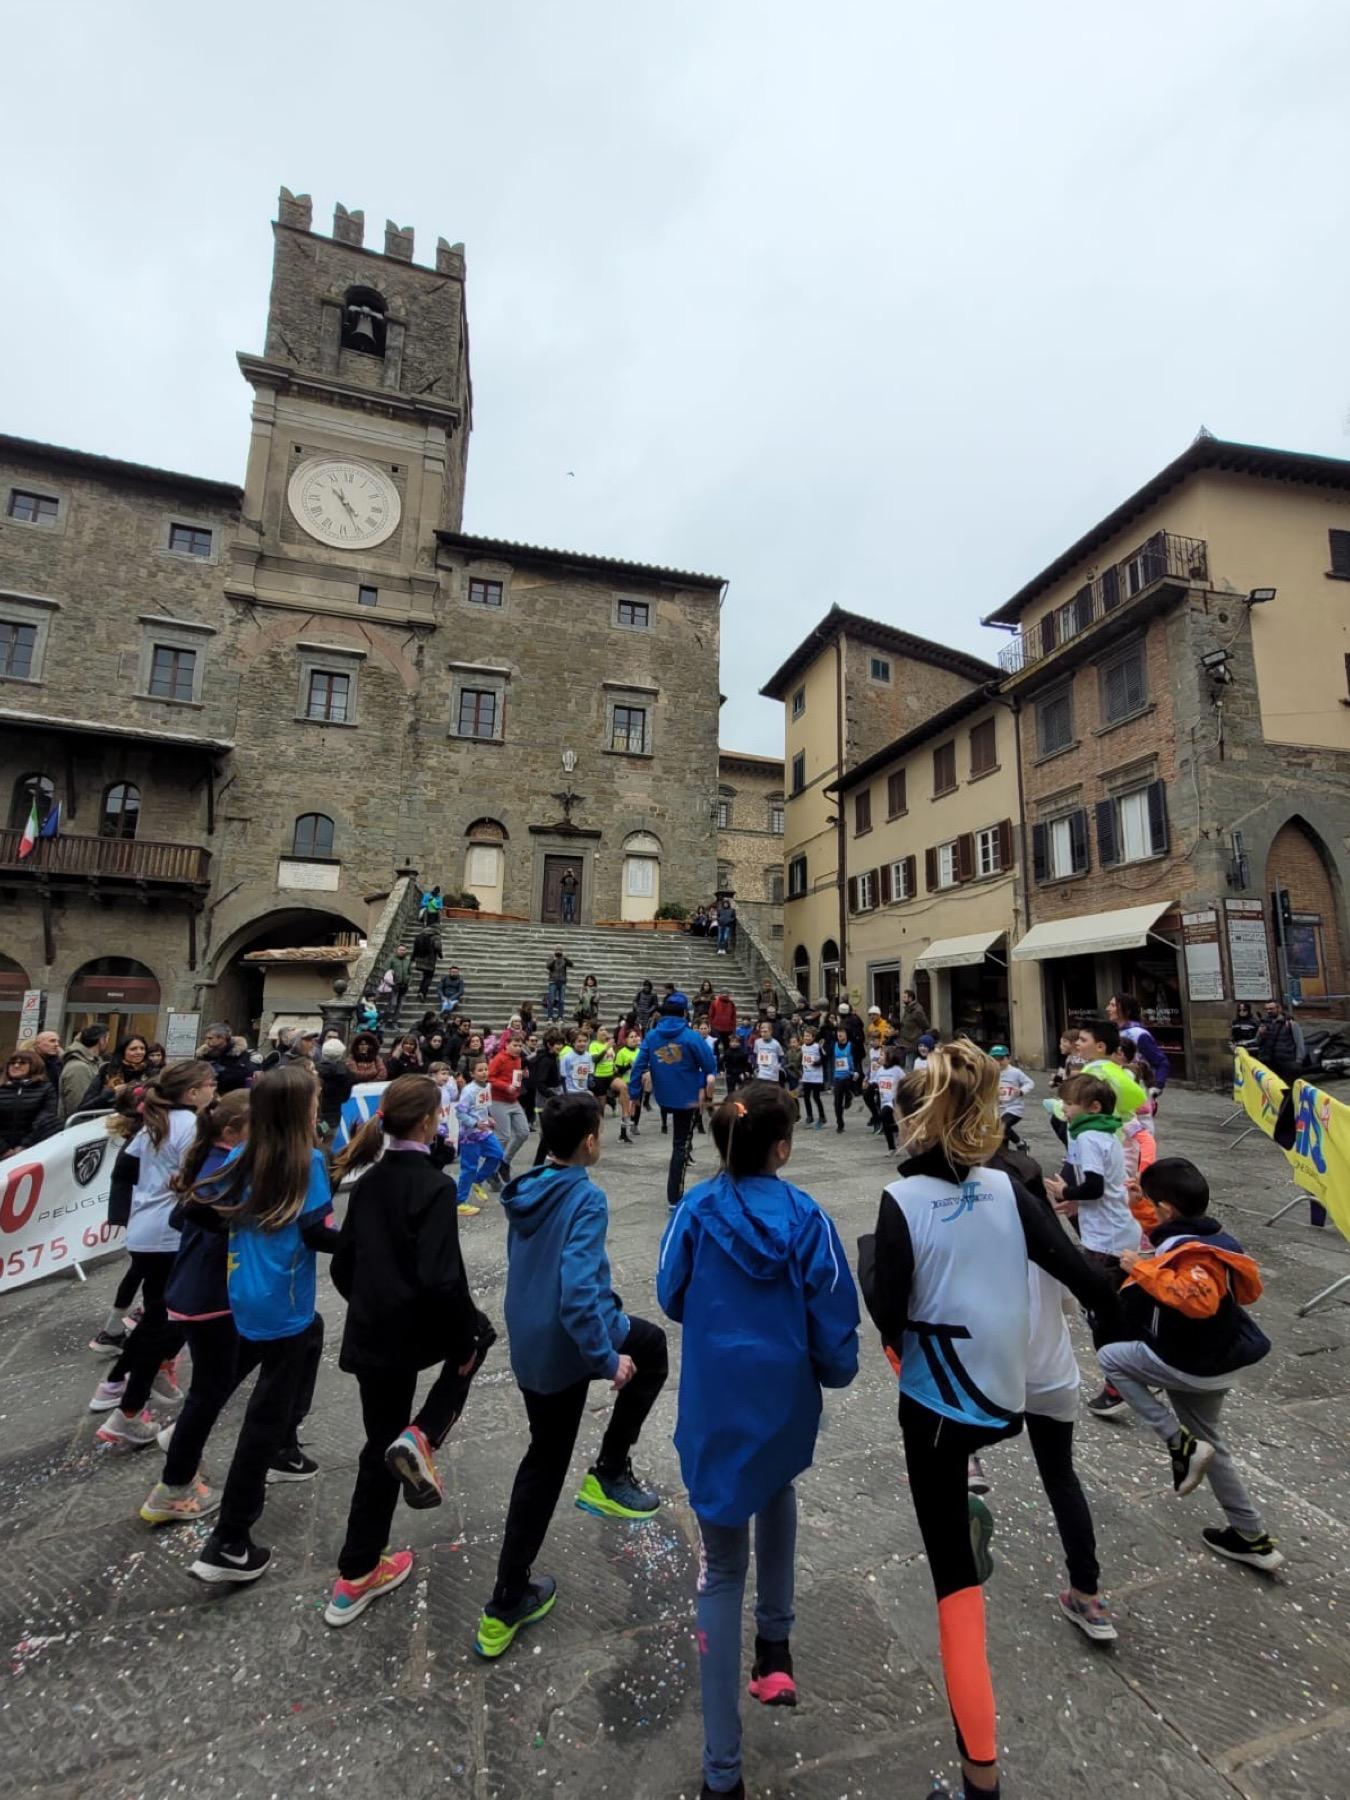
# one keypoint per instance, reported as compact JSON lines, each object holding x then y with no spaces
{"x":680,"y":1061}
{"x":565,"y":1321}
{"x":754,"y":1271}
{"x":1186,"y":1300}
{"x":79,"y":1072}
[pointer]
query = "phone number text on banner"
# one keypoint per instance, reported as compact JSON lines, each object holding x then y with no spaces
{"x":54,"y":1204}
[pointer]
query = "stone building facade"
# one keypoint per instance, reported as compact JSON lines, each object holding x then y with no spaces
{"x":750,"y":828}
{"x":252,"y":706}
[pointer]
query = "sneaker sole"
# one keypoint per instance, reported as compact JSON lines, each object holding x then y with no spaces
{"x":274,"y":1475}
{"x":107,"y":1349}
{"x":339,"y":1616}
{"x":981,"y":1533}
{"x":979,"y":1486}
{"x":773,"y":1690}
{"x":1098,"y":1633}
{"x":101,"y":1406}
{"x":490,"y":1654}
{"x":1267,"y":1564}
{"x":1109,"y":1412}
{"x":210,"y":1572}
{"x":112,"y":1439}
{"x":419,"y":1491}
{"x":152,"y":1517}
{"x":1200,"y":1461}
{"x":608,"y":1510}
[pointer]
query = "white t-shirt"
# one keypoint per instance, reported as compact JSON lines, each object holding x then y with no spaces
{"x":813,"y":1069}
{"x":1052,"y":1368}
{"x":887,"y":1081}
{"x":577,"y":1069}
{"x":1107,"y":1224}
{"x":1013,"y":1087}
{"x":768,"y":1058}
{"x":152,"y":1199}
{"x":875,"y":1058}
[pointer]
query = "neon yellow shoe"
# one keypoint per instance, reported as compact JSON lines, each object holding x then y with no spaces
{"x":480,"y":1193}
{"x":497,"y":1631}
{"x":620,"y":1496}
{"x":468,"y":1212}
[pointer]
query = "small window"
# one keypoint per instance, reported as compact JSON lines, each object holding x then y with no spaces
{"x":983,"y":747}
{"x":172,"y":672}
{"x":329,"y":697}
{"x":867,"y":890}
{"x":988,"y":851}
{"x":367,"y":596}
{"x":1054,"y":723}
{"x":18,"y":646}
{"x":1340,"y":552}
{"x":1060,"y":847}
{"x":775,"y":887}
{"x":313,"y":835}
{"x":948,"y":865}
{"x":189,"y":540}
{"x":636,"y":615}
{"x":944,"y":768}
{"x":121,"y":811}
{"x":799,"y":703}
{"x":33,"y":509}
{"x":629,"y":732}
{"x":1123,"y":689}
{"x":880,"y":670}
{"x":796,"y":877}
{"x":902,"y":877}
{"x":896,"y":801}
{"x":799,"y":772}
{"x":862,"y":811}
{"x":1134,"y":835}
{"x":723,"y":814}
{"x":485,"y":593}
{"x":31,"y":791}
{"x":776,"y":814}
{"x":477,"y":713}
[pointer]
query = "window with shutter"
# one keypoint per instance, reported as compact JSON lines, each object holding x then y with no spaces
{"x":1340,"y":552}
{"x":1123,"y":689}
{"x":862,"y":811}
{"x":1040,"y":852}
{"x":965,"y":856}
{"x":988,"y":845}
{"x":1082,"y":609}
{"x":895,"y":793}
{"x":1078,"y":841}
{"x":853,"y":893}
{"x":1005,"y":844}
{"x":946,"y":865}
{"x":930,"y":868}
{"x":1156,"y":794}
{"x":886,"y":884}
{"x":1054,"y":722}
{"x":944,"y":768}
{"x":1047,"y":634}
{"x":1110,"y":589}
{"x":911,"y":881}
{"x":983,"y":747}
{"x":1106,"y":833}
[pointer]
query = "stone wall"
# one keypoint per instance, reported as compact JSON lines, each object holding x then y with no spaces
{"x":749,"y":849}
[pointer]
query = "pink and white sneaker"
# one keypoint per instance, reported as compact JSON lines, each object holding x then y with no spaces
{"x":107,"y":1395}
{"x":351,"y":1598}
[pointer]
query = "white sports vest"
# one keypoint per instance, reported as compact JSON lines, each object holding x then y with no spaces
{"x":965,"y":1348}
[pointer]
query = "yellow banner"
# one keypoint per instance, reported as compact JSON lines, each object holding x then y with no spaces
{"x":1258,"y":1090}
{"x":1320,"y":1156}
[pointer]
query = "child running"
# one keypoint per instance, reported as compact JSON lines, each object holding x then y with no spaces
{"x":567,"y":1329}
{"x":279,"y":1207}
{"x":1013,"y":1088}
{"x":1184,"y":1302}
{"x":399,"y":1268}
{"x":768,"y":1055}
{"x":480,"y":1150}
{"x":887,"y":1082}
{"x":752,"y":1267}
{"x":813,"y":1077}
{"x":841,"y":1057}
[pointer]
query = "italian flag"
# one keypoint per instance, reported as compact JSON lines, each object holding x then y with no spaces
{"x":30,"y":833}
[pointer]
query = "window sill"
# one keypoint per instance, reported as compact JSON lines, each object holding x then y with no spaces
{"x":1140,"y":712}
{"x":637,"y":755}
{"x":34,"y":524}
{"x":1049,"y":881}
{"x":36,"y":681}
{"x":1332,"y":575}
{"x":1137,"y":862}
{"x":467,"y":737}
{"x":1050,"y":755}
{"x":341,"y":724}
{"x":984,"y":774}
{"x":865,"y":832}
{"x":168,"y":700}
{"x":904,"y":810}
{"x":187,"y":556}
{"x":942,"y":793}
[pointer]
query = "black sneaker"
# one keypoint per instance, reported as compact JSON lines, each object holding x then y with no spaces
{"x":1257,"y":1553}
{"x":108,"y":1343}
{"x":771,"y":1681}
{"x":293,"y":1465}
{"x":1191,"y":1456}
{"x":232,"y":1562}
{"x":712,"y":1793}
{"x":1108,"y":1404}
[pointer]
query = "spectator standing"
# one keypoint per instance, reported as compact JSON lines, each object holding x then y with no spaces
{"x":80,"y":1067}
{"x":426,"y":954}
{"x":568,"y":887}
{"x":1242,"y":1031}
{"x":400,"y":967}
{"x":48,"y":1046}
{"x":233,"y":1068}
{"x":29,"y":1110}
{"x":726,"y":918}
{"x":335,"y":1083}
{"x":558,"y":965}
{"x":645,"y":1005}
{"x":911,"y":1026}
{"x":1279,"y":1042}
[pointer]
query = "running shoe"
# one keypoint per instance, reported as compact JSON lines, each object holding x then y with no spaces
{"x":165,"y":1437}
{"x":108,"y":1343}
{"x":1191,"y":1456}
{"x":771,"y":1681}
{"x":619,"y":1496}
{"x":219,"y":1561}
{"x":981,"y":1531}
{"x":164,"y":1388}
{"x":1256,"y":1552}
{"x":480,"y":1194}
{"x":1108,"y":1404}
{"x":107,"y":1395}
{"x":468,"y":1212}
{"x":411,"y":1459}
{"x":293,"y":1465}
{"x":132,"y":1433}
{"x":977,"y":1482}
{"x":351,"y":1598}
{"x":497,"y":1627}
{"x":167,"y":1505}
{"x":1090,"y":1616}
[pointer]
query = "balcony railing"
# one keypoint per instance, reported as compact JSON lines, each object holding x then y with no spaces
{"x":1164,"y":556}
{"x":114,"y":859}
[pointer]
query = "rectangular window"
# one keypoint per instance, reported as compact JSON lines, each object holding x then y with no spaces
{"x":1059,"y":847}
{"x":1134,"y":841}
{"x":867,"y":891}
{"x":33,"y":509}
{"x":172,"y":672}
{"x":880,"y":670}
{"x":1054,"y":723}
{"x":1339,"y":542}
{"x":1123,"y":690}
{"x":485,"y":593}
{"x":799,"y":703}
{"x":796,"y":877}
{"x":477,"y":713}
{"x":776,"y":817}
{"x":862,"y":811}
{"x":329,"y":697}
{"x":988,"y":851}
{"x":723,"y":814}
{"x":1133,"y":825}
{"x":367,"y":596}
{"x":189,"y":540}
{"x":635,"y":614}
{"x":776,"y":887}
{"x":799,"y":772}
{"x":902,"y":879}
{"x":17,"y":645}
{"x":895,"y":794}
{"x":947,"y":865}
{"x":629,"y":729}
{"x":983,"y":747}
{"x":944,"y":768}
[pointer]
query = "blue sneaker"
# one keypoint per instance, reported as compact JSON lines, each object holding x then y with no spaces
{"x":497,"y":1631}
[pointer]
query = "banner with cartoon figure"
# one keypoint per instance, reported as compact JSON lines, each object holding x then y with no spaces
{"x":54,"y":1204}
{"x":1319,"y":1153}
{"x":1258,"y":1090}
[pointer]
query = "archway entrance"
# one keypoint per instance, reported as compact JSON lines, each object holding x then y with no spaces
{"x":829,"y":972}
{"x":1314,"y":951}
{"x":13,"y":985}
{"x":238,"y":995}
{"x":114,"y":991}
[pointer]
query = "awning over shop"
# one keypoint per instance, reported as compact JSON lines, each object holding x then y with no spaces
{"x":1091,"y":933}
{"x":958,"y":952}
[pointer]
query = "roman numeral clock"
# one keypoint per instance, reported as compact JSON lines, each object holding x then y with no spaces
{"x":347,"y":504}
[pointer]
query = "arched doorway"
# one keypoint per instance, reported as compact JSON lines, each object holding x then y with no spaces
{"x":641,"y":893}
{"x":114,"y":991}
{"x":13,"y":985}
{"x":829,"y":972}
{"x":238,"y":995}
{"x":1315,"y":961}
{"x":485,"y":863}
{"x":801,"y":971}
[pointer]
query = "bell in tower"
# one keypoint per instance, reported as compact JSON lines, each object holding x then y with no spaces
{"x":364,"y":321}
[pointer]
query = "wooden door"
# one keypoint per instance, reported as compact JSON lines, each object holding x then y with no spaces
{"x":555,"y":867}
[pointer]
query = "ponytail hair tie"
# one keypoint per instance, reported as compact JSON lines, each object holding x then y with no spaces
{"x":740,"y":1108}
{"x":378,"y":1116}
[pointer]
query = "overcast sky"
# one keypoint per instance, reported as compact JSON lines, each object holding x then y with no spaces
{"x":871,"y":302}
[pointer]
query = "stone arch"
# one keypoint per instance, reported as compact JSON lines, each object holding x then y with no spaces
{"x":1300,"y":862}
{"x":237,"y":992}
{"x":640,"y":888}
{"x":829,"y":971}
{"x":116,"y":991}
{"x":801,"y":970}
{"x":14,"y":983}
{"x":485,"y":862}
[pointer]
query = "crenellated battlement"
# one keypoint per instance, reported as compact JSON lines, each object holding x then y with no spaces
{"x":296,"y":213}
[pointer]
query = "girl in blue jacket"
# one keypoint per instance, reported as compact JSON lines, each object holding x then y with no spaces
{"x":753,"y":1268}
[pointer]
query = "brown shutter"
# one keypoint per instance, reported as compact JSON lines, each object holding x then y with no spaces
{"x":885,"y":884}
{"x":1005,"y":844}
{"x":930,"y":868}
{"x":853,"y":893}
{"x":911,"y":877}
{"x":965,"y":856}
{"x":876,"y":886}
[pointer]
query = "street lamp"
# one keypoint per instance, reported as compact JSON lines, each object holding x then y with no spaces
{"x":1259,"y":596}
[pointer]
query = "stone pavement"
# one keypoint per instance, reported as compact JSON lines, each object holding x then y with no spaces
{"x":128,"y":1678}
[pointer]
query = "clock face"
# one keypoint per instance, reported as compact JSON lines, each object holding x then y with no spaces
{"x":345,"y":504}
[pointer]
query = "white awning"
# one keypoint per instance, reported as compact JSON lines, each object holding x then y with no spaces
{"x":957,"y":953}
{"x":1091,"y":933}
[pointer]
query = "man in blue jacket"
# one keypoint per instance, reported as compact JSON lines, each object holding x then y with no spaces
{"x":679,"y":1066}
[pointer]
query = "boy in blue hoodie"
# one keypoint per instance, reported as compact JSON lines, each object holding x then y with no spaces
{"x":679,"y":1066}
{"x":567,"y":1328}
{"x":754,"y":1270}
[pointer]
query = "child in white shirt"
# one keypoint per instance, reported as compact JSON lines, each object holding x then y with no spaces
{"x":1013,"y":1088}
{"x":886,"y":1081}
{"x":768,"y":1055}
{"x":813,"y":1077}
{"x":1091,"y":1185}
{"x":577,"y":1065}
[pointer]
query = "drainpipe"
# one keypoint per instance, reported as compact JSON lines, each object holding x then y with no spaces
{"x":1015,"y":709}
{"x":841,"y":889}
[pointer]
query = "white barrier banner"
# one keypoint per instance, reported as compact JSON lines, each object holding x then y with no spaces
{"x":54,"y":1203}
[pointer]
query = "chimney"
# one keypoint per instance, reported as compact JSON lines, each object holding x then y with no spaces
{"x":398,"y":241}
{"x":348,"y":227}
{"x":295,"y":210}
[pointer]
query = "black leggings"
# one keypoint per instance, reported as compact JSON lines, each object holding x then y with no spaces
{"x":129,"y":1286}
{"x":843,"y":1093}
{"x":221,"y":1360}
{"x":1052,"y":1446}
{"x":156,"y":1339}
{"x":888,"y":1126}
{"x":813,"y":1092}
{"x":283,"y":1364}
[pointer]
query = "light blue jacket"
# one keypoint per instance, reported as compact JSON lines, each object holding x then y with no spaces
{"x":565,"y":1321}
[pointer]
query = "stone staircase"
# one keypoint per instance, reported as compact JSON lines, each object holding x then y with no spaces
{"x":504,"y":962}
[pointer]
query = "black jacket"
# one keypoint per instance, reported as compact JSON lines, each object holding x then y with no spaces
{"x":234,"y":1069}
{"x":197,"y":1284}
{"x":399,"y":1267}
{"x":29,"y":1112}
{"x":335,"y":1089}
{"x":1277,"y":1046}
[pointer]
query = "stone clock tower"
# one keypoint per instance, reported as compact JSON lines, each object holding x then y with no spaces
{"x":361,"y":418}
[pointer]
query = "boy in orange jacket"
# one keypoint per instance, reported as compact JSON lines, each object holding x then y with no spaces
{"x":1184,"y":1306}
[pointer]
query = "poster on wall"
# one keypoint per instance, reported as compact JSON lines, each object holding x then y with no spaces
{"x":1204,"y":966}
{"x":182,"y":1035}
{"x":1248,"y":951}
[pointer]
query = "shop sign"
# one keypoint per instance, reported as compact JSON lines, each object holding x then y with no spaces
{"x":1204,"y":965}
{"x":1248,"y":949}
